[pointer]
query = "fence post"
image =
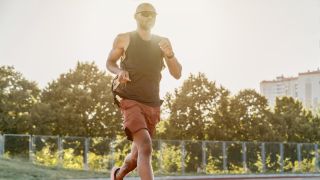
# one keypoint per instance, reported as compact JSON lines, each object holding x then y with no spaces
{"x":31,"y":148}
{"x":316,"y":158}
{"x":160,"y":155}
{"x":2,"y":138}
{"x":281,"y":158}
{"x":183,"y":148}
{"x":263,"y":157}
{"x":299,"y":155}
{"x":224,"y":156}
{"x":85,"y":155}
{"x":204,"y":155}
{"x":60,"y":152}
{"x":244,"y":157}
{"x":112,"y":150}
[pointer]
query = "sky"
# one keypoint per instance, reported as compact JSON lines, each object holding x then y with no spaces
{"x":236,"y":43}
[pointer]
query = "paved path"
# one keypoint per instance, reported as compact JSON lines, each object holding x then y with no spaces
{"x":232,"y":177}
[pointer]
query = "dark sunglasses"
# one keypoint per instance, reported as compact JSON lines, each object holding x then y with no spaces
{"x":148,"y":13}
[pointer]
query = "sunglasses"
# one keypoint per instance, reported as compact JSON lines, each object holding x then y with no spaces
{"x":148,"y":14}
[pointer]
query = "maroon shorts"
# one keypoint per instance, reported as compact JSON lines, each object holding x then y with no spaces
{"x":137,"y":116}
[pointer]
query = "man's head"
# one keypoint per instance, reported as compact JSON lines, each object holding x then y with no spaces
{"x":145,"y":16}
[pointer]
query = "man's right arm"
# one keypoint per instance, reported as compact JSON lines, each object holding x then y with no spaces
{"x":118,"y":48}
{"x":115,"y":54}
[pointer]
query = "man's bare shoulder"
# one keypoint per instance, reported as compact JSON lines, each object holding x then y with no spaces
{"x":161,"y":37}
{"x":123,"y":37}
{"x":122,"y":40}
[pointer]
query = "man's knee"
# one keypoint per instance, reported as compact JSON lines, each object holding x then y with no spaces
{"x":143,"y":142}
{"x":146,"y":147}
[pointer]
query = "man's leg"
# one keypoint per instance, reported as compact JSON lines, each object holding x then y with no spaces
{"x":130,"y":162}
{"x":143,"y":142}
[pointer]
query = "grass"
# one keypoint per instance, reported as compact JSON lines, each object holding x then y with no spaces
{"x":23,"y":170}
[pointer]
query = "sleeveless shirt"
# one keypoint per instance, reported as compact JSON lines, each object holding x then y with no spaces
{"x":144,"y":62}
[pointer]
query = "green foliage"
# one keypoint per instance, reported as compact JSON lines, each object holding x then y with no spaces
{"x":17,"y":146}
{"x":46,"y":156}
{"x":171,"y":158}
{"x":71,"y":159}
{"x":314,"y":135}
{"x":17,"y":96}
{"x":213,"y":165}
{"x":98,"y":162}
{"x":259,"y":163}
{"x":200,"y":110}
{"x":78,"y":103}
{"x":292,"y":122}
{"x":250,"y":117}
{"x":307,"y":165}
{"x":193,"y":107}
{"x":122,"y":148}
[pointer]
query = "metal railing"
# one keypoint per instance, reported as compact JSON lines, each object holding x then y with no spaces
{"x":169,"y":156}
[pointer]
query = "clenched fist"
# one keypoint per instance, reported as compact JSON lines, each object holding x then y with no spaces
{"x":166,"y":47}
{"x":123,"y":76}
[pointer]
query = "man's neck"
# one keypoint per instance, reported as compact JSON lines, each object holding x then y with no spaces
{"x":144,"y":34}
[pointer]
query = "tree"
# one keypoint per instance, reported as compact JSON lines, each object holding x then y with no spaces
{"x":249,"y":120}
{"x":221,"y":125}
{"x":17,"y":97}
{"x":315,"y":134}
{"x":291,"y":121}
{"x":251,"y":117}
{"x":79,"y":103}
{"x":191,"y":108}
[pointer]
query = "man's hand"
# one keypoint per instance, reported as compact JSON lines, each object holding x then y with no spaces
{"x":123,"y":76}
{"x":171,"y":61}
{"x":166,"y":47}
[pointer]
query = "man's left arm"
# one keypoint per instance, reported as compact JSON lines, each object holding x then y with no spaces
{"x":172,"y":62}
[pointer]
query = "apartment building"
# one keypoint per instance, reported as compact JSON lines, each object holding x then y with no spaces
{"x":305,"y":87}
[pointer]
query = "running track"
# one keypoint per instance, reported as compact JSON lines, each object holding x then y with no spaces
{"x":231,"y":177}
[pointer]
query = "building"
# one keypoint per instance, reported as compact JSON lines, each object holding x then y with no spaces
{"x":305,"y":87}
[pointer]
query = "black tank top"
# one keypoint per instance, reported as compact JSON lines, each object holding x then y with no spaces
{"x":144,"y":62}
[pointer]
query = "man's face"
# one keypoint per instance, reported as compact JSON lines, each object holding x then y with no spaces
{"x":146,"y":17}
